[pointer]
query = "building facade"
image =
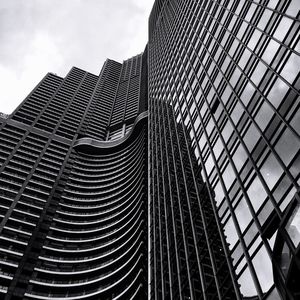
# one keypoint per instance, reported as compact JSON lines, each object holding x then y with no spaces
{"x":230,"y":71}
{"x":74,"y":188}
{"x":174,"y":175}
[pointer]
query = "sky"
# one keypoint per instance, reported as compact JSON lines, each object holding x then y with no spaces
{"x":41,"y":36}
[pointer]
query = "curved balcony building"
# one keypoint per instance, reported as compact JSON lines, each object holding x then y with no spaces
{"x":96,"y":246}
{"x":74,"y":188}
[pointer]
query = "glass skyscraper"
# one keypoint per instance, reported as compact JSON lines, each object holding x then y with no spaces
{"x":174,"y":175}
{"x":230,"y":72}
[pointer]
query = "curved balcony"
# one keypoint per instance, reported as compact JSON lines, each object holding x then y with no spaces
{"x":96,"y":246}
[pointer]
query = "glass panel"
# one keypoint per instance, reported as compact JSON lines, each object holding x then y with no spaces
{"x":239,"y":157}
{"x":217,"y":149}
{"x":247,"y":93}
{"x":227,"y":131}
{"x":277,"y":93}
{"x":293,"y":8}
{"x":237,"y":253}
{"x":296,"y":121}
{"x":243,"y":214}
{"x":274,"y":295}
{"x":270,"y":51}
{"x":271,"y":171}
{"x":264,"y":115}
{"x":256,"y":193}
{"x":254,"y":39}
{"x":219,"y":194}
{"x":209,"y":164}
{"x":230,"y":232}
{"x":285,"y":259}
{"x":264,"y":19}
{"x":263,"y":268}
{"x":283,"y":28}
{"x":258,"y":73}
{"x":251,"y":137}
{"x":247,"y":284}
{"x":228,"y":176}
{"x":291,"y":68}
{"x":293,"y":226}
{"x":237,"y":112}
{"x":287,"y":146}
{"x":245,"y":58}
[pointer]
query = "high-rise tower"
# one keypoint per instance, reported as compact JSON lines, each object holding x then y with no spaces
{"x":230,"y":71}
{"x":74,"y":188}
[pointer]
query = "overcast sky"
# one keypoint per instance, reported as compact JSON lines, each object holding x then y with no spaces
{"x":40,"y":36}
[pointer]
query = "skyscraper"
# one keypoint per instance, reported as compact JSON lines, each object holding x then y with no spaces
{"x":174,"y":175}
{"x":230,"y":72}
{"x":74,"y":188}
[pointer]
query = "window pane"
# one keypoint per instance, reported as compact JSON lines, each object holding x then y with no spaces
{"x":263,"y":268}
{"x":271,"y":171}
{"x":256,"y":193}
{"x":247,"y":285}
{"x":287,"y":146}
{"x":293,"y":226}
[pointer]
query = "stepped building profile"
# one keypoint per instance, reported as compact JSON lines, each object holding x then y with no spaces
{"x":172,"y":175}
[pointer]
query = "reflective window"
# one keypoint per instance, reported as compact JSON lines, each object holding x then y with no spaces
{"x":228,"y":176}
{"x":230,"y":232}
{"x":291,"y":68}
{"x":283,"y":28}
{"x":247,"y":93}
{"x":227,"y":131}
{"x":258,"y":73}
{"x":264,"y":19}
{"x":270,"y":51}
{"x":247,"y":285}
{"x":239,"y":158}
{"x":217,"y":149}
{"x":285,"y":259}
{"x":287,"y":146}
{"x":263,"y":269}
{"x":293,"y":8}
{"x":277,"y":93}
{"x":293,"y":226}
{"x":237,"y":112}
{"x":271,"y":170}
{"x":219,"y":194}
{"x":264,"y":115}
{"x":251,"y":137}
{"x":256,"y":193}
{"x":243,"y":214}
{"x":295,"y":123}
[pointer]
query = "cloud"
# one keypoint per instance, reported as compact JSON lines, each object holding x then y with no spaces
{"x":53,"y":35}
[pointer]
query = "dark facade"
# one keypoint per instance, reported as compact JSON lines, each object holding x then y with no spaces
{"x":198,"y":200}
{"x":189,"y":255}
{"x":74,"y":188}
{"x":230,"y":71}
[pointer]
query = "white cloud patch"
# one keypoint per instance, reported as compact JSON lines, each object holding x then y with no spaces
{"x":37,"y":37}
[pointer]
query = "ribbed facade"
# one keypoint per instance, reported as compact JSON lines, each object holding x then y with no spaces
{"x":188,"y":248}
{"x":230,"y":71}
{"x":73,"y":192}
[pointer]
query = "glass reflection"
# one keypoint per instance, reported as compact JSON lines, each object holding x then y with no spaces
{"x":271,"y":171}
{"x":263,"y":268}
{"x":247,"y":284}
{"x":293,"y":226}
{"x":256,"y":193}
{"x":285,"y":259}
